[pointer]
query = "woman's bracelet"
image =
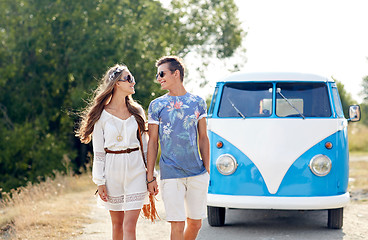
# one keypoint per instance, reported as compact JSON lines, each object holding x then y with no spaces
{"x":154,"y":179}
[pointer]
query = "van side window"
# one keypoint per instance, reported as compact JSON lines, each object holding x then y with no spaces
{"x":213,"y":102}
{"x":310,"y":99}
{"x":246,"y":100}
{"x":336,"y":98}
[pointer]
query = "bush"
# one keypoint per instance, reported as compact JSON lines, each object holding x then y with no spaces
{"x":32,"y":155}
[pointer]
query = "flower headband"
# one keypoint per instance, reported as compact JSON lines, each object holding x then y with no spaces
{"x":117,"y":70}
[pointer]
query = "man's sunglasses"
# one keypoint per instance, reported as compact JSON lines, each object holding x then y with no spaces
{"x":161,"y":74}
{"x":128,"y":78}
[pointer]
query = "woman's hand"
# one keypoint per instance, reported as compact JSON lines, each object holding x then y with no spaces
{"x":102,"y":191}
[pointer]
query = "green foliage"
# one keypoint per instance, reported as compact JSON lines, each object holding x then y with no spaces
{"x":358,"y":132}
{"x":346,"y":99}
{"x":212,"y":24}
{"x":365,"y":88}
{"x":364,"y":112}
{"x":28,"y":154}
{"x":53,"y":51}
{"x":364,"y":105}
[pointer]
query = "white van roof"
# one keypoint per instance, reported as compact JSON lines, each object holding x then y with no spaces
{"x":275,"y":76}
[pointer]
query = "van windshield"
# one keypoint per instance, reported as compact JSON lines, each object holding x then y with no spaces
{"x":245,"y":100}
{"x":307,"y":99}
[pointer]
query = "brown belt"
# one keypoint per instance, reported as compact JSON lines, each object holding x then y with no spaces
{"x":128,"y":150}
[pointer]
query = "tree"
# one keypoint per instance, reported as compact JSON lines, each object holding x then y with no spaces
{"x":52,"y":52}
{"x":364,"y":105}
{"x":346,"y":98}
{"x":365,"y":88}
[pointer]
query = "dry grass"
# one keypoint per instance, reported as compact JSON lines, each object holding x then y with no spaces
{"x":358,"y":181}
{"x":358,"y":138}
{"x":359,"y":172}
{"x":54,"y":209}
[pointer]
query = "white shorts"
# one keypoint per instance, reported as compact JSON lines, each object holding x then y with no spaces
{"x":185,"y":197}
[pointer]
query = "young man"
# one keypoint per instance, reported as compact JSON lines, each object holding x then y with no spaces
{"x":178,"y":119}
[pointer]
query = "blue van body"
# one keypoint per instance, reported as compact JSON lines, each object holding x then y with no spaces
{"x":278,"y":141}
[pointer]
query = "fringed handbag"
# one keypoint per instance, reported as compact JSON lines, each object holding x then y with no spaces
{"x":149,"y":210}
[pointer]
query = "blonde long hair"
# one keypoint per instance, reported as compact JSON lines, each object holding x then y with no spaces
{"x":102,"y":96}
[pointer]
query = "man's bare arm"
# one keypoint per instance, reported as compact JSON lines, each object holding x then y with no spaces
{"x":204,"y":143}
{"x":152,"y":150}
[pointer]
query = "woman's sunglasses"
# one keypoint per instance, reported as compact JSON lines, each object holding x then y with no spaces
{"x":128,"y":78}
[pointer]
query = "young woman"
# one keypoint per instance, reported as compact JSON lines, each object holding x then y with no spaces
{"x":112,"y":121}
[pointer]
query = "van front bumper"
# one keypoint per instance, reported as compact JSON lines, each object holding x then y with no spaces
{"x":285,"y":203}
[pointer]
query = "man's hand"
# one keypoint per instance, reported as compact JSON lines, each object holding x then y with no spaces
{"x":152,"y":187}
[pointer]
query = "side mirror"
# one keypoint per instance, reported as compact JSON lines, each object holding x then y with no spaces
{"x":354,"y":113}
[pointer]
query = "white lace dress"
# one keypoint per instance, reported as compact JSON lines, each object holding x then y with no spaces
{"x":123,"y":174}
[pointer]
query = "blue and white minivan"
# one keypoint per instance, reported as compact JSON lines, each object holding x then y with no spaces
{"x":278,"y":141}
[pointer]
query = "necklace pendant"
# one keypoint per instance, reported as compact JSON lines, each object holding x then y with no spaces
{"x":119,"y":138}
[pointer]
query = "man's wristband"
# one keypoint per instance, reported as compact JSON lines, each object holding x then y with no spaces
{"x":154,"y":179}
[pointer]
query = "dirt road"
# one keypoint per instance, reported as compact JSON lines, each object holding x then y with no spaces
{"x":246,"y":224}
{"x":101,"y":226}
{"x":250,"y":224}
{"x":285,"y":225}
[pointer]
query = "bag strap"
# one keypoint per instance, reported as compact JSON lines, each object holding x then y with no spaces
{"x":141,"y":144}
{"x":149,"y":210}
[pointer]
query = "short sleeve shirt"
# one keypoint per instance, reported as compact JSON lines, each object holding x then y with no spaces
{"x":177,"y":118}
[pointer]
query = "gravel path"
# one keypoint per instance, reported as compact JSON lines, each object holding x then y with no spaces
{"x":355,"y":224}
{"x":355,"y":227}
{"x":358,"y":157}
{"x":100,"y":228}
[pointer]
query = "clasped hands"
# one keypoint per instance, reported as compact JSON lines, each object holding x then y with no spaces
{"x":152,"y":185}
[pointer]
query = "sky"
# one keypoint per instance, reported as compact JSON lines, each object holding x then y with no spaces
{"x":326,"y":37}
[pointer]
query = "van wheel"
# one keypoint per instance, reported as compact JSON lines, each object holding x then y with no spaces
{"x":216,"y":216}
{"x":335,"y":218}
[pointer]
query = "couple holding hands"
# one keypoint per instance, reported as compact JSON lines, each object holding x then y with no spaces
{"x":116,"y":124}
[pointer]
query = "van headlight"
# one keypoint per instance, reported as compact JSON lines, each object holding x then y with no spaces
{"x":320,"y":165}
{"x":226,"y":164}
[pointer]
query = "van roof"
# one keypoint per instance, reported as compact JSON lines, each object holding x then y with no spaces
{"x":275,"y":76}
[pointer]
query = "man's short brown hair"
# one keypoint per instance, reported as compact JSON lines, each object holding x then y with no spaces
{"x":175,"y":63}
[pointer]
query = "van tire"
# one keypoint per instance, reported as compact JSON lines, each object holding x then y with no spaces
{"x":216,"y":216}
{"x":335,"y":218}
